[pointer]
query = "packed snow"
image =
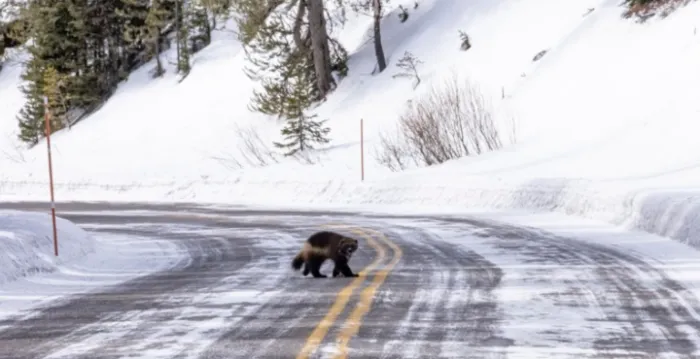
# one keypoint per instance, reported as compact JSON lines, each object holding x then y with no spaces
{"x":31,"y":274}
{"x":26,"y":244}
{"x":604,"y":121}
{"x":538,"y":297}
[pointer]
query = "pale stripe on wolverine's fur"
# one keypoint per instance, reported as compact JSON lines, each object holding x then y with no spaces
{"x":326,"y":245}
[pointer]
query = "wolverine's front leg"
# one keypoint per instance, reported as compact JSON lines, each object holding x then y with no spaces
{"x":344,"y":268}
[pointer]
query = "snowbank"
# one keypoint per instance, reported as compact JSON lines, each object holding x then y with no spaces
{"x":671,"y":212}
{"x":30,"y":274}
{"x":26,"y":244}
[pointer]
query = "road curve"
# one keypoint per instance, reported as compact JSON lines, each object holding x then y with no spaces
{"x":489,"y":291}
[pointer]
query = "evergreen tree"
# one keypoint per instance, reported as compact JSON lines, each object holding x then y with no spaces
{"x":53,"y":90}
{"x":133,"y":15}
{"x":156,"y":20}
{"x":134,"y":39}
{"x":182,"y":37}
{"x":82,"y":49}
{"x":215,"y":9}
{"x":301,"y":130}
{"x":31,"y":116}
{"x":274,"y":59}
{"x":58,"y":33}
{"x":280,"y":38}
{"x":200,"y":17}
{"x":10,"y":21}
{"x":41,"y":81}
{"x":103,"y":43}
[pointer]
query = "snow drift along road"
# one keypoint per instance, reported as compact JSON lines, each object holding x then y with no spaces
{"x":31,"y":275}
{"x":26,"y":244}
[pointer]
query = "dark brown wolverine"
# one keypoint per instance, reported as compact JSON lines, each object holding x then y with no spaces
{"x":326,"y":245}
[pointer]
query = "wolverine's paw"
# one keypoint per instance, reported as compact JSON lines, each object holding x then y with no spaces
{"x":321,"y":276}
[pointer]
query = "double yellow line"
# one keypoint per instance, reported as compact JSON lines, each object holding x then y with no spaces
{"x":354,"y":320}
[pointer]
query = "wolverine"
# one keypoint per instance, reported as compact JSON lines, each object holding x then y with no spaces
{"x":326,"y":245}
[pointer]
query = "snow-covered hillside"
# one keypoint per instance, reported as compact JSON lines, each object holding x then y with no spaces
{"x":606,"y":121}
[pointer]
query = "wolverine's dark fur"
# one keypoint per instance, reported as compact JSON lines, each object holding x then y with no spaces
{"x":326,"y":245}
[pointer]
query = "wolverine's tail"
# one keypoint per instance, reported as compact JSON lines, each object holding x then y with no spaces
{"x":298,"y":261}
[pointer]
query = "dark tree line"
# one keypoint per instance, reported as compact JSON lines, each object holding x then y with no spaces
{"x":81,"y":50}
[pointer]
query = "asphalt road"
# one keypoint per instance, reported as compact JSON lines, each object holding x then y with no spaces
{"x":418,"y":296}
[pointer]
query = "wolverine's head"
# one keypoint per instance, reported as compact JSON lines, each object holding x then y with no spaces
{"x":347,"y":247}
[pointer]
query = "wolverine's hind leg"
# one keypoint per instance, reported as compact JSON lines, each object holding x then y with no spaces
{"x":314,"y":265}
{"x":306,"y":269}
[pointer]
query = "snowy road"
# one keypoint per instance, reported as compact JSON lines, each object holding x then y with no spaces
{"x":434,"y":288}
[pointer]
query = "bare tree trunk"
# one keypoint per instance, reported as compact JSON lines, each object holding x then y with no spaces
{"x":159,"y":64}
{"x":296,"y":31}
{"x":320,"y":47}
{"x":177,"y":31}
{"x":378,"y":48}
{"x":208,"y":25}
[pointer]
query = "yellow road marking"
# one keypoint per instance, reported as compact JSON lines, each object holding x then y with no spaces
{"x":341,"y":300}
{"x":353,"y":322}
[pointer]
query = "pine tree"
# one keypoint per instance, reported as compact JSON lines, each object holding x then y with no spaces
{"x":301,"y":130}
{"x":182,"y":34}
{"x":216,"y":8}
{"x":58,"y":31}
{"x":155,"y":22}
{"x":199,"y":19}
{"x":31,"y":116}
{"x":10,"y":21}
{"x":53,"y":90}
{"x":134,"y":38}
{"x":274,"y":59}
{"x":133,"y":15}
{"x":280,"y":38}
{"x":251,"y":17}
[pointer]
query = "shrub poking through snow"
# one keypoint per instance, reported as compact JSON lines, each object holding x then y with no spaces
{"x":253,"y":148}
{"x":409,"y":67}
{"x":645,"y":9}
{"x":466,"y":43}
{"x":446,"y":123}
{"x":539,"y":55}
{"x":403,"y":15}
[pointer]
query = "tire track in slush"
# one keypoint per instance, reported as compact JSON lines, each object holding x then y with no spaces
{"x":352,"y":324}
{"x":206,"y":313}
{"x":470,"y":311}
{"x":120,"y":319}
{"x":643,"y":313}
{"x":657,"y":315}
{"x":439,"y":302}
{"x":60,"y":323}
